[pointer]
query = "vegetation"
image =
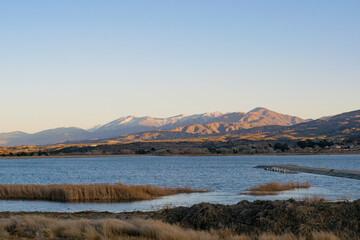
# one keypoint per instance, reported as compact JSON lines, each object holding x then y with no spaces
{"x":321,"y":198}
{"x":311,"y":144}
{"x":223,"y":145}
{"x":313,"y":198}
{"x":273,"y":188}
{"x":87,"y":192}
{"x":281,"y":146}
{"x":39,"y":227}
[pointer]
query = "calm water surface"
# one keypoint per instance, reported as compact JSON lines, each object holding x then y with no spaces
{"x":224,"y":176}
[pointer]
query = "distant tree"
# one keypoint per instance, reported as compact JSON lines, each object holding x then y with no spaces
{"x":281,"y":146}
{"x":141,"y":151}
{"x":306,"y":143}
{"x":309,"y":143}
{"x":212,"y":150}
{"x":325,"y":143}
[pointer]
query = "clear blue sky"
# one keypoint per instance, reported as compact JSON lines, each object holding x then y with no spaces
{"x":82,"y":63}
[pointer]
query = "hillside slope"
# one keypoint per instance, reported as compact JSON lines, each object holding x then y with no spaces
{"x":345,"y":125}
{"x":44,"y":137}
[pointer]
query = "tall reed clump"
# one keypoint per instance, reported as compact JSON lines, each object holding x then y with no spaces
{"x":87,"y":192}
{"x":40,"y":227}
{"x":273,"y":188}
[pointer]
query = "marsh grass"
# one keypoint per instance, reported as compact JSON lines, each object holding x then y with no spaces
{"x":273,"y":188}
{"x":41,"y":227}
{"x":313,"y":198}
{"x":87,"y":192}
{"x":319,"y":198}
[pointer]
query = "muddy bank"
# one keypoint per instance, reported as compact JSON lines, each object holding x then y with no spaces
{"x":321,"y":171}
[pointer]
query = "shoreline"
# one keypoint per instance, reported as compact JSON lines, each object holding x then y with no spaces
{"x":179,"y":155}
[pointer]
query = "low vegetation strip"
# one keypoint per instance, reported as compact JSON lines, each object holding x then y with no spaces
{"x":40,"y":227}
{"x":87,"y":192}
{"x":273,"y":188}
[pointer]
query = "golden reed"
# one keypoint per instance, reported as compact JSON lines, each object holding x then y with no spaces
{"x":87,"y":192}
{"x":273,"y":188}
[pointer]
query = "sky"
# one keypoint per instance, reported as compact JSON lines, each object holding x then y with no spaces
{"x":81,"y":63}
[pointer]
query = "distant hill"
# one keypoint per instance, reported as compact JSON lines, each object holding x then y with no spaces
{"x":44,"y":137}
{"x":345,"y":125}
{"x":172,"y":127}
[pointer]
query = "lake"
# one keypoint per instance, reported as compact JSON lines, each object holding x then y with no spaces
{"x":224,"y":176}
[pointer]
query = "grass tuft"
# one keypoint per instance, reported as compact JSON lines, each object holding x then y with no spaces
{"x":273,"y":188}
{"x":312,"y":198}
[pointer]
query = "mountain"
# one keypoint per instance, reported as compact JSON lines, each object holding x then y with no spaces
{"x":9,"y":139}
{"x":43,"y":137}
{"x":258,"y":119}
{"x":191,"y":131}
{"x":341,"y":126}
{"x":133,"y":124}
{"x":181,"y":125}
{"x":345,"y":126}
{"x":255,"y":118}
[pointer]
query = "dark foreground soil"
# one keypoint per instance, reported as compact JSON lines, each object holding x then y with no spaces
{"x":298,"y":217}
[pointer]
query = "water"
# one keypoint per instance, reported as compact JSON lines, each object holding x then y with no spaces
{"x":224,"y":176}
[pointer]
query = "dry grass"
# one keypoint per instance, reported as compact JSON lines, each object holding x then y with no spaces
{"x":324,"y":236}
{"x":273,"y":188}
{"x":290,"y":236}
{"x":87,"y":192}
{"x":319,"y":198}
{"x":344,"y":198}
{"x":312,"y":198}
{"x":40,"y":227}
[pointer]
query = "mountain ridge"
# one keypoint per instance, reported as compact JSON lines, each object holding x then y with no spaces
{"x":342,"y":126}
{"x":133,"y":125}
